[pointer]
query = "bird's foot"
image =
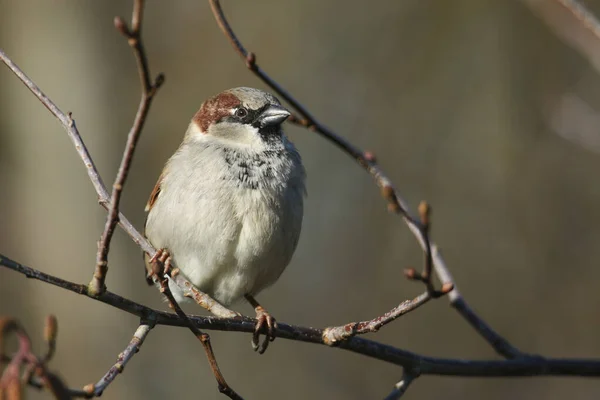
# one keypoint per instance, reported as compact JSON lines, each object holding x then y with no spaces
{"x":265,"y":323}
{"x":161,"y":263}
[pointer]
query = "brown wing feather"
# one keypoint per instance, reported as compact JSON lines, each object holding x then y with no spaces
{"x":153,"y":196}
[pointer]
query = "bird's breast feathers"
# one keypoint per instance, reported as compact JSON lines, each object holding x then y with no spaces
{"x":231,"y":219}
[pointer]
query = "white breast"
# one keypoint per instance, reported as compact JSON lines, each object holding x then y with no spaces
{"x":231,"y":218}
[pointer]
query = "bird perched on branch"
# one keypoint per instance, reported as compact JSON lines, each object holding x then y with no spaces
{"x":228,"y":205}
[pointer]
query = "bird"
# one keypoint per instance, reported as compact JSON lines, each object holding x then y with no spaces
{"x":228,"y":206}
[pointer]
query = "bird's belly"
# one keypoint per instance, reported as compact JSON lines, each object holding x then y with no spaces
{"x":242,"y":256}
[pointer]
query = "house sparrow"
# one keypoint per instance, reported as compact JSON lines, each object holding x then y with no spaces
{"x":228,"y":204}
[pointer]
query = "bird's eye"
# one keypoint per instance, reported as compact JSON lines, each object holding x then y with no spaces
{"x":241,"y":112}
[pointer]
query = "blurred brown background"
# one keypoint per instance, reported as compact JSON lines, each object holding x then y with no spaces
{"x":476,"y":106}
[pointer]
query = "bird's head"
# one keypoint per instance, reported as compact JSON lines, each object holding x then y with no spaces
{"x":241,"y":115}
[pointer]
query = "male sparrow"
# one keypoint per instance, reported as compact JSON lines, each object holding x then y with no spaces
{"x":228,"y":204}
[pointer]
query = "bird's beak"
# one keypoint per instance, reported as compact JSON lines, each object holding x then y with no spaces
{"x":273,"y":115}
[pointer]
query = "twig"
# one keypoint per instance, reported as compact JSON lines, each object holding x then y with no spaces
{"x":50,"y":333}
{"x":35,"y":368}
{"x":93,"y":390}
{"x":133,"y":35}
{"x":500,"y":345}
{"x":402,"y":386}
{"x":334,"y":335}
{"x":69,"y":125}
{"x":202,"y":299}
{"x":573,"y":23}
{"x":204,"y":338}
{"x":585,"y":17}
{"x":425,"y":365}
{"x":38,"y":383}
{"x":67,"y":122}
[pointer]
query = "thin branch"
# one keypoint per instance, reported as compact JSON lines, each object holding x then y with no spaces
{"x":50,"y":333}
{"x":67,"y":122}
{"x":425,"y":365}
{"x":97,"y":284}
{"x":500,"y":345}
{"x":402,"y":386}
{"x":204,"y":338}
{"x":573,"y":23}
{"x":40,"y":384}
{"x":71,"y":129}
{"x":585,"y":17}
{"x":333,"y":335}
{"x":93,"y":390}
{"x":34,"y":368}
{"x":424,"y":216}
{"x":202,"y":299}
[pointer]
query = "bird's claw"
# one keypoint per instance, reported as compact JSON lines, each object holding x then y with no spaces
{"x":161,"y":262}
{"x":266,"y":324}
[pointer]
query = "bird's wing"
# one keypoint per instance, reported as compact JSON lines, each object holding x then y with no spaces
{"x":151,"y":201}
{"x":154,"y":194}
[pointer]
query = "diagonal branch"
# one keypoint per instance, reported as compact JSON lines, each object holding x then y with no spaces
{"x":500,"y":345}
{"x":402,"y":386}
{"x":202,"y":299}
{"x":204,"y":338}
{"x":133,"y":35}
{"x":94,"y":390}
{"x":73,"y":133}
{"x":35,"y":371}
{"x":333,"y":335}
{"x":583,"y":15}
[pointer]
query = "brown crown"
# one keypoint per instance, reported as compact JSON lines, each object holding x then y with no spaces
{"x":215,"y":108}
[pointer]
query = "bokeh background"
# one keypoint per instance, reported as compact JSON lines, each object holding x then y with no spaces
{"x":479,"y":106}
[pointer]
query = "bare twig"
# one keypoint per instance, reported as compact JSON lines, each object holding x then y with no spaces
{"x":132,"y":348}
{"x":133,"y":35}
{"x":424,"y":216}
{"x":585,"y":17}
{"x":334,"y":335}
{"x":50,"y":333}
{"x":202,"y":299}
{"x":425,"y":365}
{"x":402,"y":386}
{"x":67,"y":122}
{"x":73,"y":133}
{"x":204,"y":338}
{"x":35,"y":368}
{"x":500,"y":345}
{"x":573,"y":23}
